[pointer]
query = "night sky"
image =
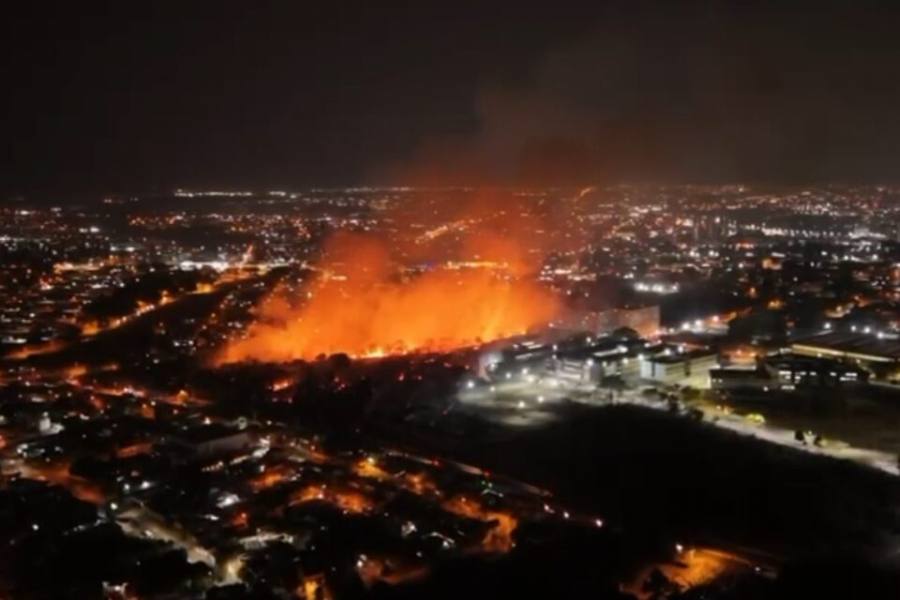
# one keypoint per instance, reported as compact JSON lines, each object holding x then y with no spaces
{"x":141,"y":96}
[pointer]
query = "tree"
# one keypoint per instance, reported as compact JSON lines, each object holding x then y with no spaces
{"x":626,"y":333}
{"x":690,"y":393}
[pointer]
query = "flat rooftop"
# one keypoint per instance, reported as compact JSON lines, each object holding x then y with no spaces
{"x":678,"y":357}
{"x":853,"y":343}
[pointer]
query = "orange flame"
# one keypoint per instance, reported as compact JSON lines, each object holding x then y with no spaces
{"x":372,"y":570}
{"x":485,"y":249}
{"x":58,"y":474}
{"x":499,"y":538}
{"x":313,"y":587}
{"x":270,"y":478}
{"x":135,"y":449}
{"x":367,"y":311}
{"x":347,"y":500}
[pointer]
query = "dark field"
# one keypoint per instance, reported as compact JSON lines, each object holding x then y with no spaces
{"x":826,"y":525}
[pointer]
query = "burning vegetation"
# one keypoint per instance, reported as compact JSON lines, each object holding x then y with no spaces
{"x":436,"y":311}
{"x":499,"y":538}
{"x":477,"y":286}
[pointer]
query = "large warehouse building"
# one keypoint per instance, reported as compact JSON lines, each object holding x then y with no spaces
{"x":881,"y":356}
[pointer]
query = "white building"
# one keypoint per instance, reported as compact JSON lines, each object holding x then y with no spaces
{"x":672,"y":368}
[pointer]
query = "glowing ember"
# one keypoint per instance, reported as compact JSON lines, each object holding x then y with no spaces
{"x":97,"y":403}
{"x":370,"y":469}
{"x":419,"y":484}
{"x":347,"y":500}
{"x":373,"y":570}
{"x":148,"y":411}
{"x":134,"y":450}
{"x":691,"y":568}
{"x":75,"y":371}
{"x":270,"y":478}
{"x":313,"y":587}
{"x":240,"y":520}
{"x":281,"y":385}
{"x":58,"y":474}
{"x":499,"y":538}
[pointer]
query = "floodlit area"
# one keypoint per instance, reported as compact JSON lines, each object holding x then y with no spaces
{"x":520,"y":403}
{"x":535,"y":400}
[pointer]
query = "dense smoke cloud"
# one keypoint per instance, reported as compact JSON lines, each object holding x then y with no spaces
{"x":299,"y":95}
{"x":688,"y":93}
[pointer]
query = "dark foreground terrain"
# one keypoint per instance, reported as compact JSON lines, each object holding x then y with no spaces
{"x":830,"y":527}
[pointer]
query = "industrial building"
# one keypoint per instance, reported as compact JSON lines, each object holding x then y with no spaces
{"x":788,"y":372}
{"x":877,"y":355}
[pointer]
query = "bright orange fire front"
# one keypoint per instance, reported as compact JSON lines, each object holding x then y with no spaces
{"x":347,"y":500}
{"x":499,"y":538}
{"x":370,"y":313}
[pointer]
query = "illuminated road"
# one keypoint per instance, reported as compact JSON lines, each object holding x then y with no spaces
{"x":142,"y":523}
{"x":532,"y":401}
{"x":92,"y":329}
{"x":875,"y":459}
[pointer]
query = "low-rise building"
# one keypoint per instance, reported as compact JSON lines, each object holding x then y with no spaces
{"x":676,"y":367}
{"x":787,"y":372}
{"x":879,"y":356}
{"x":213,"y":441}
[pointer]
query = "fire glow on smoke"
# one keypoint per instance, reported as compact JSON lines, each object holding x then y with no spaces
{"x":370,"y":309}
{"x":436,"y":311}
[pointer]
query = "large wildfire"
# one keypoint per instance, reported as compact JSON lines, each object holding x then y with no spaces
{"x":367,"y":302}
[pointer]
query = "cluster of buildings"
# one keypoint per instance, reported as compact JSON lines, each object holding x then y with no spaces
{"x":624,"y":357}
{"x":161,"y":495}
{"x":156,"y":492}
